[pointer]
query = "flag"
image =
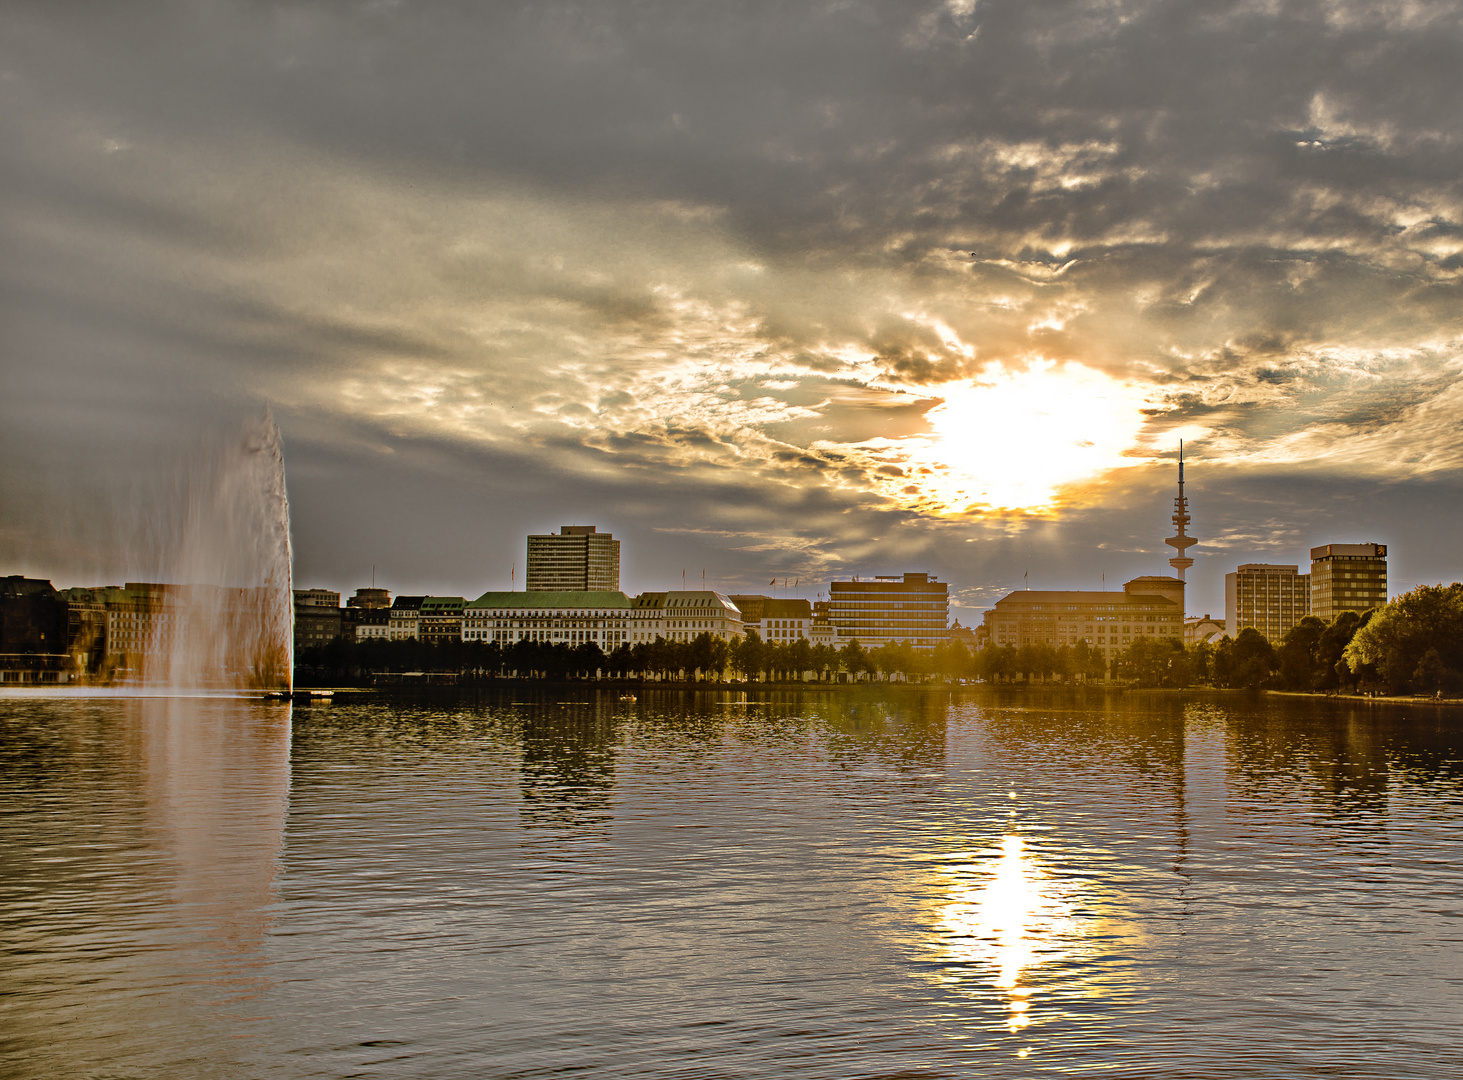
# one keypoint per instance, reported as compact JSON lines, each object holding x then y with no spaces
{"x":796,"y":583}
{"x":772,"y":582}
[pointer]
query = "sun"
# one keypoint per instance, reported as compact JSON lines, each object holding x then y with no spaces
{"x":1012,"y":440}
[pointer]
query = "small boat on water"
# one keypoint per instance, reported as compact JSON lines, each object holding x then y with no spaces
{"x":297,"y":695}
{"x":627,"y":697}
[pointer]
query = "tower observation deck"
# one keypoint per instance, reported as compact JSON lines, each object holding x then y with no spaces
{"x":1182,"y":541}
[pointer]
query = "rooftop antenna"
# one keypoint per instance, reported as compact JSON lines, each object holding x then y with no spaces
{"x":1182,"y":541}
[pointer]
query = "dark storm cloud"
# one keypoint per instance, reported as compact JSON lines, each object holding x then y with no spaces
{"x":682,"y":254}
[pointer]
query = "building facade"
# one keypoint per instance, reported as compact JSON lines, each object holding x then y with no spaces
{"x":684,"y":615}
{"x":1347,"y":577}
{"x":1151,"y":607}
{"x":578,"y":559}
{"x":577,"y":617}
{"x":913,"y":609}
{"x":367,"y":623}
{"x":370,"y":598}
{"x":317,"y":618}
{"x":404,"y":617}
{"x":777,"y":620}
{"x":440,"y":618}
{"x":1203,"y":630}
{"x":1269,"y":597}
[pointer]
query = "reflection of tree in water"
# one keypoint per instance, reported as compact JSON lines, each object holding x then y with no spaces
{"x":1345,"y":756}
{"x":567,"y":771}
{"x":903,"y":730}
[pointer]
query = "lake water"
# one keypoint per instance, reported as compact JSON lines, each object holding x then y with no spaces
{"x":847,"y":884}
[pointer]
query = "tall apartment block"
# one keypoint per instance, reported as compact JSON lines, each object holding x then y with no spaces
{"x":1347,"y":577}
{"x":578,"y":559}
{"x":1268,"y":597}
{"x":886,"y":609}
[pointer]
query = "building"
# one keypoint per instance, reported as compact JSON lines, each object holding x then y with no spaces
{"x":1347,"y":577}
{"x":1151,"y":607}
{"x":578,"y":559}
{"x":1148,"y":606}
{"x":883,"y":610}
{"x":370,"y":598}
{"x":317,"y":618}
{"x":776,"y":620}
{"x":964,"y":635}
{"x":440,"y":619}
{"x":1202,"y":630}
{"x":316,"y":598}
{"x":368,"y":623}
{"x":600,"y":617}
{"x":1270,"y":598}
{"x":33,"y":633}
{"x":684,"y":615}
{"x":404,"y":618}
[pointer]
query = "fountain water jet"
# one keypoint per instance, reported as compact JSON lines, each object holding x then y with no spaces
{"x":229,"y":622}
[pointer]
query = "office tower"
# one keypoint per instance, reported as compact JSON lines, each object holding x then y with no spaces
{"x":578,"y":559}
{"x":1270,"y":598}
{"x":887,"y":609}
{"x":1347,"y":577}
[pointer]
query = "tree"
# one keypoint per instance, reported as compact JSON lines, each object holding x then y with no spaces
{"x":1301,"y":665}
{"x":1247,"y":661}
{"x":1154,"y":662}
{"x":855,"y":661}
{"x":1397,"y":640}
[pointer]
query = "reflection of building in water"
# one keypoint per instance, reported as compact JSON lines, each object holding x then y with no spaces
{"x":567,"y":771}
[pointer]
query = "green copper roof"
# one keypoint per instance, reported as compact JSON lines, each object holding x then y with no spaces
{"x":551,"y":600}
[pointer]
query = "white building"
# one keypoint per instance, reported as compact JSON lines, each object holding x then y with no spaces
{"x":559,"y":618}
{"x":404,"y":618}
{"x":605,"y":618}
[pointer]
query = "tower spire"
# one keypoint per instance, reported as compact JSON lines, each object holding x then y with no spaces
{"x":1182,"y":541}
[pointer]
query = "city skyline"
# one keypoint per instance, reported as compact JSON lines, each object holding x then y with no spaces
{"x":799,"y":292}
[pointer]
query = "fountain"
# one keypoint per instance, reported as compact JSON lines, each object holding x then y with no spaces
{"x":229,"y":622}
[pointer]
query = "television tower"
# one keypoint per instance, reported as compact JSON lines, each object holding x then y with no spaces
{"x":1183,"y":541}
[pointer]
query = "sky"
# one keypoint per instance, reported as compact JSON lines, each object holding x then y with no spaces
{"x":768,"y":290}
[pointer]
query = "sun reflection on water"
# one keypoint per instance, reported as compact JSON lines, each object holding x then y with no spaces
{"x":1005,"y":924}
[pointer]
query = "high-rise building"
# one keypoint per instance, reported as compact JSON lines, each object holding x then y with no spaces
{"x":1268,"y":597}
{"x":578,"y":559}
{"x":912,"y":609}
{"x":1347,"y":577}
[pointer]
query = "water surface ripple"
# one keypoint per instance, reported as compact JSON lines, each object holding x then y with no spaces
{"x":854,"y":884}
